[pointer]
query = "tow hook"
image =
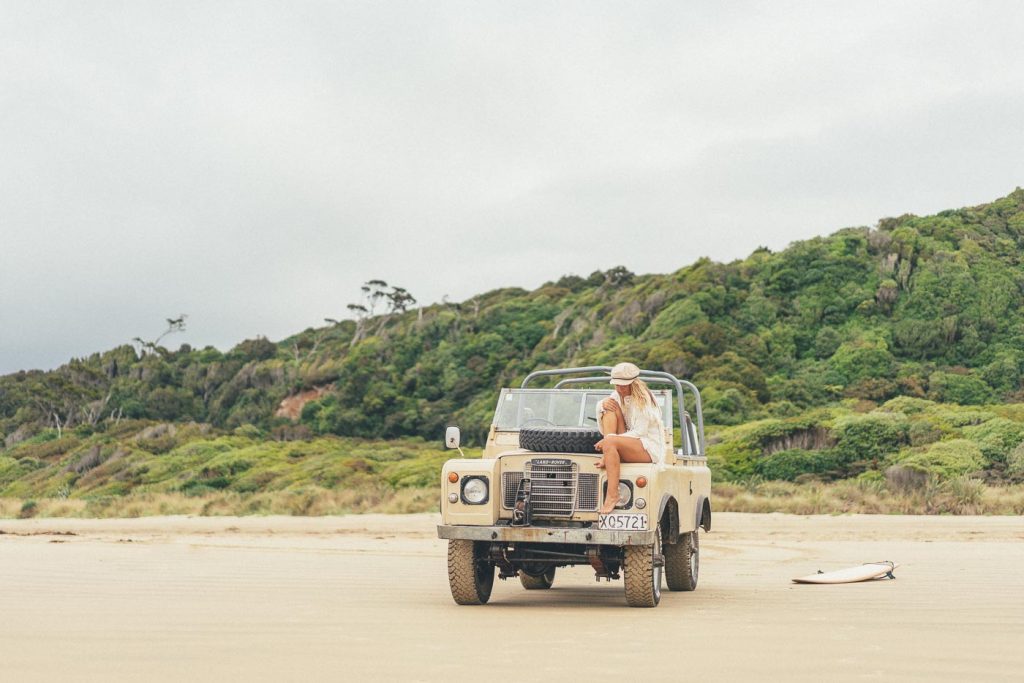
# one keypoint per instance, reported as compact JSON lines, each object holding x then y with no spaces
{"x":521,"y":510}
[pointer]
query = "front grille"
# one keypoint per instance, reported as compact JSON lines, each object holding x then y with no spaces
{"x":552,"y":486}
{"x":586,"y":489}
{"x":586,"y":492}
{"x":509,"y":486}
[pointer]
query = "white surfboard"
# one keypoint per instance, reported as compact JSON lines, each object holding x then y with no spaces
{"x":863,"y":572}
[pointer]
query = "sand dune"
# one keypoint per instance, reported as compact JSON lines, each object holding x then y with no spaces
{"x":287,"y":598}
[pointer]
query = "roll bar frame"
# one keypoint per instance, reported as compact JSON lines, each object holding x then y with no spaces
{"x":647,"y":375}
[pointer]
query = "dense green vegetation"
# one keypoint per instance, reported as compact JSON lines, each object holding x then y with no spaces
{"x":873,"y":348}
{"x":194,"y":460}
{"x":908,"y":455}
{"x":905,"y":441}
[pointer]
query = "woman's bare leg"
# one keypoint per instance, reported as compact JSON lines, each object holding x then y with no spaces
{"x":612,"y":423}
{"x":618,"y":449}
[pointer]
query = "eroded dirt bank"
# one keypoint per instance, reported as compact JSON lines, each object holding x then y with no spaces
{"x":286,"y":598}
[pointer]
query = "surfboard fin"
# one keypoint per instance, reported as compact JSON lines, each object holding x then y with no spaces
{"x":889,"y":574}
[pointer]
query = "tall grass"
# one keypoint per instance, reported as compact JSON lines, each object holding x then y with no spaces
{"x":962,"y":496}
{"x":312,"y":501}
{"x":959,"y":496}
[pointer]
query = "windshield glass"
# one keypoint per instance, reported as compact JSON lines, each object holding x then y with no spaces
{"x":559,"y":408}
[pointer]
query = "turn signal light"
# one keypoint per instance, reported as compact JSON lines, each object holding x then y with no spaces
{"x":453,"y":477}
{"x":641,"y":481}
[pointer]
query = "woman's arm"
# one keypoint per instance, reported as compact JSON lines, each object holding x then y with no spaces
{"x":610,"y":405}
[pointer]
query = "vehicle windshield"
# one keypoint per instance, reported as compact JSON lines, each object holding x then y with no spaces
{"x":559,"y":408}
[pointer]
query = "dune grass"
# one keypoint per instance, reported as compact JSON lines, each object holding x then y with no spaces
{"x":305,"y":502}
{"x":961,"y":496}
{"x":957,"y":496}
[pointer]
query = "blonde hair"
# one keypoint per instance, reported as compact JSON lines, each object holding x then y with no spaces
{"x":641,"y":393}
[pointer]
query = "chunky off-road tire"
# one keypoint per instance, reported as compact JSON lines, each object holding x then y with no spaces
{"x":537,"y":583}
{"x":682,"y":562}
{"x":559,"y":439}
{"x":643,"y":574}
{"x":470,"y":575}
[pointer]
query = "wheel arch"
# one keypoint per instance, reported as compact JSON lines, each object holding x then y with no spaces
{"x":669,"y":506}
{"x":703,"y":513}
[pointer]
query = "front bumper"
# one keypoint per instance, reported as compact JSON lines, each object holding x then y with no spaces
{"x":541,"y":534}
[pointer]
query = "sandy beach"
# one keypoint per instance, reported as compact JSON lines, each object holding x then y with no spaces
{"x":347,"y":598}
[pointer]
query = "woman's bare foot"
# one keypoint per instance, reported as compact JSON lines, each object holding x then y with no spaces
{"x":609,"y":505}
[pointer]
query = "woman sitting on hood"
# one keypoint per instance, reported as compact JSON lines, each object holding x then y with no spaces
{"x":630,"y":421}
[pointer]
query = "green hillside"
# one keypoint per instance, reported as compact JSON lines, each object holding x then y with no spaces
{"x":874,"y":329}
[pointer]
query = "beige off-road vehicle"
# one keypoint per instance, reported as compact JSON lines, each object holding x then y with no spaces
{"x":530,"y":505}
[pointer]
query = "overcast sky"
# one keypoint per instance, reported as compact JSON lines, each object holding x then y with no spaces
{"x":251,"y":164}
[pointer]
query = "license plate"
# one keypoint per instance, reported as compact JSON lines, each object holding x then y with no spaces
{"x":621,"y":521}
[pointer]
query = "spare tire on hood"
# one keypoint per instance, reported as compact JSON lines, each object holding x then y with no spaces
{"x":559,"y":439}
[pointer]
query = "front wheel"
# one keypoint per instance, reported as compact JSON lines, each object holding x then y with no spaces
{"x":539,"y":582}
{"x":643,"y":565}
{"x":682,"y":562}
{"x":470,"y":573}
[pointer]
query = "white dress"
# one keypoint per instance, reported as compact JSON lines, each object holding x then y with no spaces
{"x":643,"y":424}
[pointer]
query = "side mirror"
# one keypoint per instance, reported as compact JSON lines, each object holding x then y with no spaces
{"x":452,"y":437}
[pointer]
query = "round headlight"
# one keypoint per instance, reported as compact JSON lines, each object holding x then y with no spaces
{"x":474,"y":491}
{"x":624,"y":494}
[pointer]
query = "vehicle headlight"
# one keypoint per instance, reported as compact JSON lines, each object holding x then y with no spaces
{"x":625,"y":495}
{"x":474,"y":490}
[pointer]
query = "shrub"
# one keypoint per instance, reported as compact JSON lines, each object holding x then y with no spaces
{"x":997,"y":437}
{"x":729,"y":369}
{"x":908,"y":405}
{"x":871,"y":477}
{"x":855,"y":361}
{"x":945,"y":459}
{"x":826,"y":342}
{"x":871,"y":388}
{"x":1015,"y":461}
{"x":788,"y":465}
{"x":950,"y":416}
{"x":28,"y":509}
{"x":924,"y":432}
{"x":869,"y":437}
{"x":728,"y":406}
{"x":782,"y":409}
{"x":259,"y":348}
{"x":248,"y":431}
{"x":1003,"y":374}
{"x":963,"y":389}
